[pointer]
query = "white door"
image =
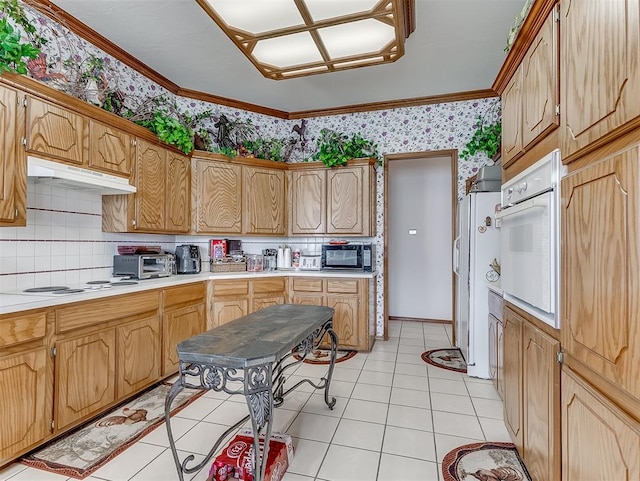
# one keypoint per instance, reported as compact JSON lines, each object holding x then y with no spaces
{"x":419,"y":238}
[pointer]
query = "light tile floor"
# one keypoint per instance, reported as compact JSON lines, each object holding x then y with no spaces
{"x":395,"y":419}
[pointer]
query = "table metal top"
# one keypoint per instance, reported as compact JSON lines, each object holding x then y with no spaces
{"x":261,"y":337}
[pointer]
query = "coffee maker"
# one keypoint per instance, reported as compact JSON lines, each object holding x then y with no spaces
{"x":188,"y":259}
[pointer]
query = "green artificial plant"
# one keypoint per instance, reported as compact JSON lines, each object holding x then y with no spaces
{"x":14,"y":53}
{"x":335,"y":148}
{"x":487,"y":138}
{"x":169,"y":130}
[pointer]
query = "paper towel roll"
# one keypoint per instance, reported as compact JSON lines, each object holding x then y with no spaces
{"x":280,"y":260}
{"x":287,"y":257}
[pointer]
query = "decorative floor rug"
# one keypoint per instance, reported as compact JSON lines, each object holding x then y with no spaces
{"x":322,"y":356}
{"x":81,"y":452}
{"x":449,"y":358}
{"x":485,"y":462}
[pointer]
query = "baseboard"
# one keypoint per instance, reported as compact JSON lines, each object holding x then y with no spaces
{"x":420,"y":319}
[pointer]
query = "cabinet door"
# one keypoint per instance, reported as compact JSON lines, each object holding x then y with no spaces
{"x":500,"y":360}
{"x":111,"y":150}
{"x":179,"y":325}
{"x":150,"y":182}
{"x":12,"y":179}
{"x":541,"y":409}
{"x":493,"y":350}
{"x":600,"y":267}
{"x":138,"y":351}
{"x":345,"y":200}
{"x":55,"y":131}
{"x":263,"y":201}
{"x":24,"y":417}
{"x":178,"y":193}
{"x":512,"y":333}
{"x":262,"y":302}
{"x":308,"y":300}
{"x":600,"y":55}
{"x":512,"y":118}
{"x":229,"y":310}
{"x":85,"y":376}
{"x":540,"y":83}
{"x":218,"y":197}
{"x":346,"y":320}
{"x":598,"y":440}
{"x":308,"y":201}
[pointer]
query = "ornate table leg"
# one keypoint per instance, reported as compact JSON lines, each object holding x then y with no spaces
{"x":177,"y":387}
{"x":258,"y":392}
{"x":334,"y":348}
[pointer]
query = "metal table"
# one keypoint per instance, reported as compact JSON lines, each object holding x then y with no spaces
{"x":249,"y":356}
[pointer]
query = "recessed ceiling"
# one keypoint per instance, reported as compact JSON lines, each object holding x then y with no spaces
{"x":457,"y":46}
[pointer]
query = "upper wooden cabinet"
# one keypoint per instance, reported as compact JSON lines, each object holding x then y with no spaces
{"x":13,"y":180}
{"x":110,"y":150}
{"x":600,"y":64}
{"x":56,"y":132}
{"x":162,"y":202}
{"x":600,"y":265}
{"x":339,"y":201}
{"x":530,"y":99}
{"x":263,"y":209}
{"x":217,"y":196}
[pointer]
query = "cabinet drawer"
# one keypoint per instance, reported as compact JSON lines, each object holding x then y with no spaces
{"x":342,"y":286}
{"x":268,"y":285}
{"x":307,"y":285}
{"x":18,"y":329}
{"x":89,"y":313}
{"x":184,"y":294}
{"x":230,"y":288}
{"x":496,"y":303}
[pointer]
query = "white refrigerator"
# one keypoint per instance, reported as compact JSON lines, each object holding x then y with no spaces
{"x":476,"y":245}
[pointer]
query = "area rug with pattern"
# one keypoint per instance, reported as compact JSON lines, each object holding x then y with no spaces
{"x":485,"y":462}
{"x":84,"y":450}
{"x":322,"y":356}
{"x":449,"y":358}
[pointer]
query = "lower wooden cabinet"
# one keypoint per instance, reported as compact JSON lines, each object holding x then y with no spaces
{"x":599,"y":441}
{"x":25,"y":409}
{"x":138,"y":355}
{"x":236,"y":298}
{"x":346,"y":320}
{"x":496,"y":306}
{"x":512,"y":334}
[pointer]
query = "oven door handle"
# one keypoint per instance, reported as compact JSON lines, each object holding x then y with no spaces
{"x":536,"y":202}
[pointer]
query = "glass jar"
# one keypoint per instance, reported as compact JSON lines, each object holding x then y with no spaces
{"x":254,"y":262}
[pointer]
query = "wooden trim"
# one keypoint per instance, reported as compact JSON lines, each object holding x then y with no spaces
{"x":529,"y":29}
{"x":420,"y":319}
{"x":227,"y":102}
{"x":395,"y":104}
{"x":453,"y":154}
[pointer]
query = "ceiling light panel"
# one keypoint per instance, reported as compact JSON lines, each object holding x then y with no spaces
{"x":282,"y":52}
{"x":257,"y":16}
{"x":356,"y":38}
{"x":325,"y":9}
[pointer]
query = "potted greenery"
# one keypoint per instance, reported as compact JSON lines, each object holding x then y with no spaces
{"x":335,"y":148}
{"x":13,"y":51}
{"x":487,"y":137}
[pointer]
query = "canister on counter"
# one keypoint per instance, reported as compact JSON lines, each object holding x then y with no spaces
{"x":254,"y":262}
{"x":295,"y":258}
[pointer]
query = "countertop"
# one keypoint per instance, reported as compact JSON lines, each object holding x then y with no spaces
{"x":11,"y":302}
{"x":495,"y":287}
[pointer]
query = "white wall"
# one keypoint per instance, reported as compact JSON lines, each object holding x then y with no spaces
{"x":420,"y":198}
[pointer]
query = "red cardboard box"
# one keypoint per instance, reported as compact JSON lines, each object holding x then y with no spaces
{"x":218,"y":248}
{"x":236,"y":460}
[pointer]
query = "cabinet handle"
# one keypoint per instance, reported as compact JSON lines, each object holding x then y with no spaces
{"x":23,"y":141}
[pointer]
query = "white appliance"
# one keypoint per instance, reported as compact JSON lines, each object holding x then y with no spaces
{"x":530,"y":253}
{"x":477,"y":245}
{"x":72,"y":177}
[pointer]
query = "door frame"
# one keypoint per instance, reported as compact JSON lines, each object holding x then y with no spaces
{"x":426,"y":155}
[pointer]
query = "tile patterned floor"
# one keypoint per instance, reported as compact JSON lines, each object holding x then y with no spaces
{"x":395,"y":419}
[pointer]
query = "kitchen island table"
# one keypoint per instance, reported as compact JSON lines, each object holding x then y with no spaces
{"x":250,"y":356}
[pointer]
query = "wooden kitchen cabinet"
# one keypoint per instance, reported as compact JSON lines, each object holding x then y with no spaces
{"x":26,"y":409}
{"x":496,"y":306}
{"x":55,"y":132}
{"x":263,"y":202}
{"x":267,"y":292}
{"x":85,"y":376}
{"x":230,"y":300}
{"x":183,"y":316}
{"x":347,"y":320}
{"x":349,"y":201}
{"x":600,"y":64}
{"x":512,"y":334}
{"x":512,"y":119}
{"x":308,"y":201}
{"x":599,"y":441}
{"x":13,"y":175}
{"x":112,"y":150}
{"x":217,"y":203}
{"x":162,"y":201}
{"x":541,"y":403}
{"x":138,"y":352}
{"x":599,"y":271}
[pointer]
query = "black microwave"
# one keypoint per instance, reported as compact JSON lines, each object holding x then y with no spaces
{"x":349,"y":256}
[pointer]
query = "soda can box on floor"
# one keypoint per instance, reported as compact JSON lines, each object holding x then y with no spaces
{"x":236,"y":460}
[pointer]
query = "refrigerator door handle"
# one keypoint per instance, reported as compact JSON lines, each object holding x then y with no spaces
{"x":456,"y":256}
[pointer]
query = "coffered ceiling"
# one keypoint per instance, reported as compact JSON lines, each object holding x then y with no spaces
{"x":457,"y":47}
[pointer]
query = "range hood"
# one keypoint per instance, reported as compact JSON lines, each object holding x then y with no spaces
{"x":72,"y":177}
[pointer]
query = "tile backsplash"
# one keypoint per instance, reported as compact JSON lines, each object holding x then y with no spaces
{"x":63,"y":242}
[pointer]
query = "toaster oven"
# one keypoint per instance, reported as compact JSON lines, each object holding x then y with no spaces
{"x":143,"y":266}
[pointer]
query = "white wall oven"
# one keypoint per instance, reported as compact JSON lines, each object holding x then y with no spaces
{"x":530,"y":239}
